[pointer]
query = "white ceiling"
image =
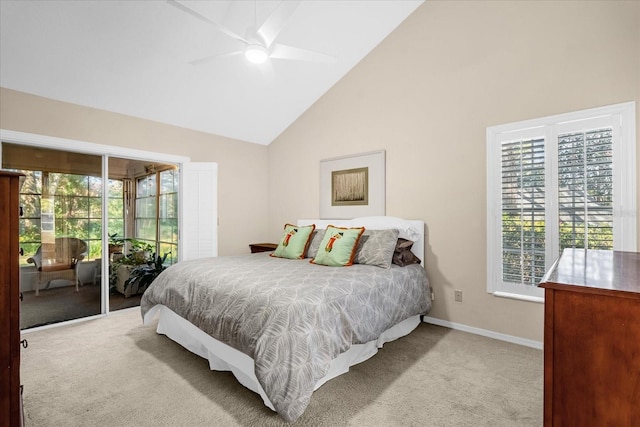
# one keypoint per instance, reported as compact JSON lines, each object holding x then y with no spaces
{"x":133,"y":57}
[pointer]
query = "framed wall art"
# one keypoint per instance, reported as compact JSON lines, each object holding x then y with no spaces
{"x":353,"y":186}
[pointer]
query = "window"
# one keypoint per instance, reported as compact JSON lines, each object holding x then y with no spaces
{"x":565,"y":181}
{"x":62,"y":204}
{"x":146,"y":209}
{"x":168,"y":215}
{"x":156,"y":214}
{"x":523,"y":210}
{"x":115,"y":206}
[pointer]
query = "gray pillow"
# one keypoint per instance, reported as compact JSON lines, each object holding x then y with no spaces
{"x":314,"y":244}
{"x":376,"y":247}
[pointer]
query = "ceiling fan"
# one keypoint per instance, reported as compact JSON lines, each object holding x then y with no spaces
{"x":260,"y":42}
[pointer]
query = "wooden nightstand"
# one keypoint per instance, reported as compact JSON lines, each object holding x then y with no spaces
{"x":262,"y":247}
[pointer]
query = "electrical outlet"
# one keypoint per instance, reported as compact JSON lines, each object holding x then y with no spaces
{"x":458,"y":296}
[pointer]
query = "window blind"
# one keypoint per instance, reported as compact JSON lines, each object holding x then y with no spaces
{"x":557,"y":182}
{"x":585,"y":189}
{"x":523,"y":211}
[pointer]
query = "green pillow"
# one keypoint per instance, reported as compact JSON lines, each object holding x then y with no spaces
{"x":338,"y":246}
{"x":294,"y":241}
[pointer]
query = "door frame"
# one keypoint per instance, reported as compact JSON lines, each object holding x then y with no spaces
{"x":105,"y":151}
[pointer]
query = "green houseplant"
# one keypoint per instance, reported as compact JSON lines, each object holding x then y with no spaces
{"x":139,"y":253}
{"x":116,"y":243}
{"x":140,"y":277}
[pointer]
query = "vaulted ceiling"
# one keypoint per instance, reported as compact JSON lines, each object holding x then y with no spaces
{"x":181,"y":62}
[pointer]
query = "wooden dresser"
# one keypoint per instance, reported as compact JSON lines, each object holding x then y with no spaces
{"x":592,"y":339}
{"x":10,"y":395}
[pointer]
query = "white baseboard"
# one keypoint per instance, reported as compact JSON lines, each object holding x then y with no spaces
{"x":484,"y":332}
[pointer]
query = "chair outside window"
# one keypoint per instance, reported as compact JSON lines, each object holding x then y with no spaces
{"x":60,"y":260}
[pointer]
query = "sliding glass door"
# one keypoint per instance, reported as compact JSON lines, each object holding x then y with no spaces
{"x":143,"y":224}
{"x":61,"y":231}
{"x":86,"y":194}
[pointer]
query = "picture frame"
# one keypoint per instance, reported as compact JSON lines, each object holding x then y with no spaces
{"x":353,"y":186}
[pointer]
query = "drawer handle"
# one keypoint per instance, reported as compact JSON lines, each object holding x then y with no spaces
{"x":21,"y":252}
{"x":24,"y":343}
{"x":21,"y":211}
{"x":21,"y":297}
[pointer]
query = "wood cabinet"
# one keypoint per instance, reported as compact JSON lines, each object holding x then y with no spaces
{"x":10,"y":395}
{"x":592,"y":339}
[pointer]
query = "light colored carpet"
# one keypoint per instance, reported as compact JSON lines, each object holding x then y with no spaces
{"x":114,"y":371}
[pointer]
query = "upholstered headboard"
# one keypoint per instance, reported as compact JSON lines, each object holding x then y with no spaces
{"x":409,"y":229}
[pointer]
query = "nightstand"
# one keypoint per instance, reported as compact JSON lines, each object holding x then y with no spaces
{"x":262,"y":247}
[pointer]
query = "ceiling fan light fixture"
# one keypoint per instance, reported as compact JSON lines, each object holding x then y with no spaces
{"x":256,"y":54}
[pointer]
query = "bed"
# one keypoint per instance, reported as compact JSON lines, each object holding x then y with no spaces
{"x":283,"y":326}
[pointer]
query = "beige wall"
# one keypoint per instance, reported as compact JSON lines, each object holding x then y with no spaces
{"x":242,"y":166}
{"x":427,"y":94}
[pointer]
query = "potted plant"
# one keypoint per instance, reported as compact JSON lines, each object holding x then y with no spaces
{"x":140,"y":277}
{"x":138,"y":253}
{"x":116,"y":243}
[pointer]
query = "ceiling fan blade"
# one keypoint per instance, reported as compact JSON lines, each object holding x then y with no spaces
{"x":203,"y":18}
{"x":282,"y":51}
{"x":272,"y":26}
{"x":210,"y":58}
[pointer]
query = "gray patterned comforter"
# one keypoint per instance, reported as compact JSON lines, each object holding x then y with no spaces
{"x":290,"y":316}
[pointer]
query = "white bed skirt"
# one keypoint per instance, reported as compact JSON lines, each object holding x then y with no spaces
{"x":222,"y":357}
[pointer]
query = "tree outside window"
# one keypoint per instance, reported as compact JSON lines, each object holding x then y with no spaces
{"x":68,"y":205}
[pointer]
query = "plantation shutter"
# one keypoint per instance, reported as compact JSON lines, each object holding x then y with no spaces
{"x":523,"y":210}
{"x":585,"y":189}
{"x":558,"y":182}
{"x":199,"y":210}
